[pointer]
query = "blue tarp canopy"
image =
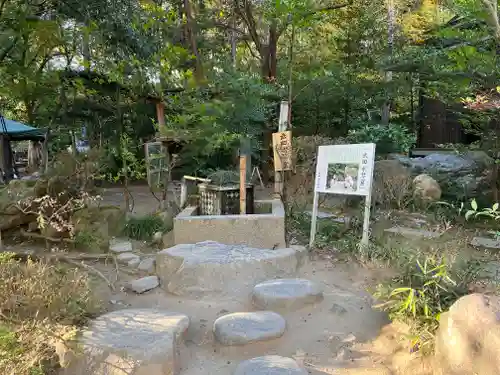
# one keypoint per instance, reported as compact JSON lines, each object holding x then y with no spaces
{"x":17,"y":131}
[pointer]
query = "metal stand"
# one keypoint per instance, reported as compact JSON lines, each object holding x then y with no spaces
{"x":256,"y":171}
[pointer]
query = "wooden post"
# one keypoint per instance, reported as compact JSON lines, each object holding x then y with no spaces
{"x":243,"y":185}
{"x":282,"y":126}
{"x":160,"y":114}
{"x":45,"y":153}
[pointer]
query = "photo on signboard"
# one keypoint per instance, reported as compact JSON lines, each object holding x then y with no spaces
{"x":342,"y":177}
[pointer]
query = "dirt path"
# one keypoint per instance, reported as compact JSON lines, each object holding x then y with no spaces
{"x":331,"y":337}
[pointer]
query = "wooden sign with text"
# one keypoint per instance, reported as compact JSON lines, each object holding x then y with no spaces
{"x":282,"y":146}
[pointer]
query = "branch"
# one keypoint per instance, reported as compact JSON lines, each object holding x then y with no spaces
{"x":247,"y":16}
{"x":313,"y":12}
{"x":91,"y":269}
{"x":493,"y":11}
{"x":329,"y":8}
{"x":231,"y":28}
{"x":46,"y":238}
{"x":251,"y":50}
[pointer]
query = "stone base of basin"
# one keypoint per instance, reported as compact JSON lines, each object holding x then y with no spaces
{"x":263,"y":231}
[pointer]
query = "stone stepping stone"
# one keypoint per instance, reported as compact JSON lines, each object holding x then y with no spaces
{"x":488,"y":243}
{"x":270,"y":365}
{"x":147,"y":265}
{"x":120,"y":246}
{"x":248,"y":327}
{"x":129,"y":259}
{"x":289,"y":294}
{"x":134,"y":341}
{"x":213,"y":268}
{"x":413,"y":233}
{"x":144,"y":284}
{"x":327,"y":215}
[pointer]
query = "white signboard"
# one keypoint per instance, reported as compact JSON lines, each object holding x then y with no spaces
{"x":345,"y":170}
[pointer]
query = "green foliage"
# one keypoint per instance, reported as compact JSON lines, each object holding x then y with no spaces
{"x":88,"y":240}
{"x":144,"y":227}
{"x":130,"y":165}
{"x":486,"y":212}
{"x":425,"y":287}
{"x":393,"y":138}
{"x":327,"y":233}
{"x":224,"y":177}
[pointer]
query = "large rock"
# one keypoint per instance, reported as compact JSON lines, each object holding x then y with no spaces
{"x":426,"y":189}
{"x":270,"y":365}
{"x":248,"y":327}
{"x":133,"y":342}
{"x":459,"y":176}
{"x":468,"y":338}
{"x":287,"y":294}
{"x":211,"y":267}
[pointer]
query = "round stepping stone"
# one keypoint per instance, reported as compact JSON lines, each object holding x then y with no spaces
{"x":134,"y":341}
{"x":129,"y":259}
{"x":270,"y":365}
{"x":208,"y":268}
{"x":247,"y":327}
{"x":286,"y":294}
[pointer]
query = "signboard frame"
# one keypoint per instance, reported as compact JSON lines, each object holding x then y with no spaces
{"x":345,"y":170}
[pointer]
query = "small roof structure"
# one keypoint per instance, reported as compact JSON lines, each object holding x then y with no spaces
{"x":17,"y":131}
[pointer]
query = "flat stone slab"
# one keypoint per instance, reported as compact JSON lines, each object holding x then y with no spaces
{"x":289,"y":294}
{"x":270,"y":365}
{"x":147,"y":265}
{"x":327,"y":215}
{"x":248,"y":327}
{"x":129,"y":259}
{"x":134,"y":341}
{"x":143,"y":284}
{"x":120,"y":246}
{"x":413,"y":233}
{"x":213,"y":268}
{"x":489,"y":243}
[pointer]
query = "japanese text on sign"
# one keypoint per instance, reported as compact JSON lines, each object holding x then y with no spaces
{"x":282,"y":145}
{"x":345,"y":169}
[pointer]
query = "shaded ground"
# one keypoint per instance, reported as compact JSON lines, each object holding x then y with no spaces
{"x":340,"y":335}
{"x":319,"y":336}
{"x":144,"y":202}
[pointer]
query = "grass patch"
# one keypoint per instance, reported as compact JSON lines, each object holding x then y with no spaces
{"x":425,"y":287}
{"x":144,"y":227}
{"x":89,"y":240}
{"x":40,"y":304}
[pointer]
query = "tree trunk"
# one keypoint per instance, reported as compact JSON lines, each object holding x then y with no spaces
{"x":269,"y":62}
{"x":198,"y":70}
{"x":386,"y":107}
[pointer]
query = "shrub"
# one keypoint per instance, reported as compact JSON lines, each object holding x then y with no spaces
{"x":392,"y":185}
{"x":393,"y":138}
{"x":425,"y":288}
{"x":40,"y":303}
{"x":144,"y":227}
